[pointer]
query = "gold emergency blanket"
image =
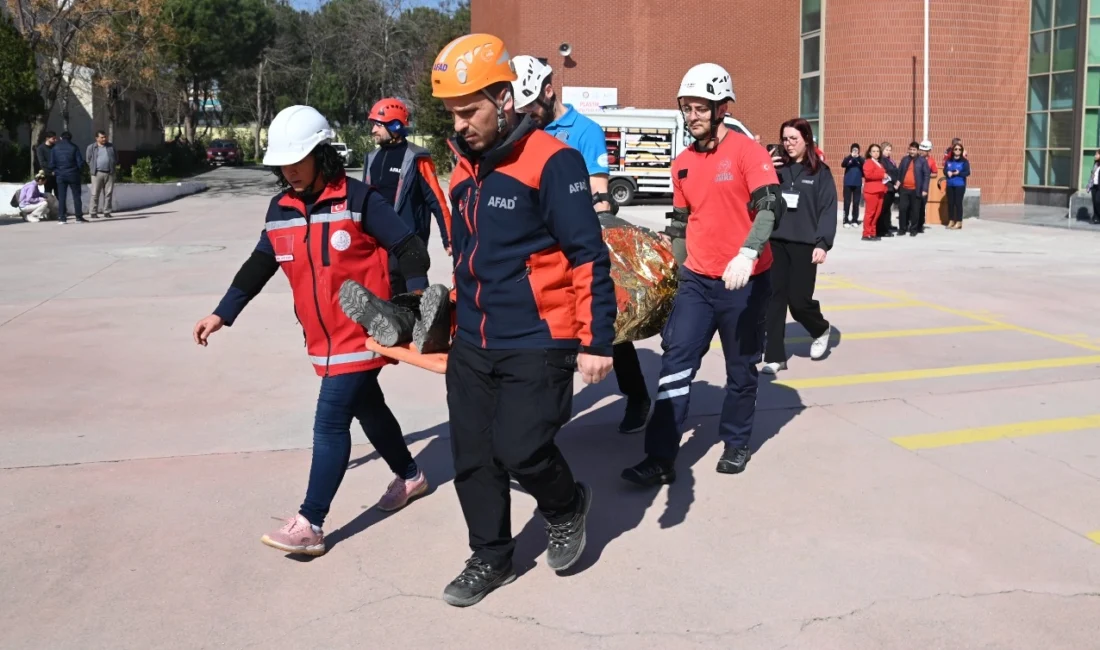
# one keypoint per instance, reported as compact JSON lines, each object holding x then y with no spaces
{"x":644,"y":273}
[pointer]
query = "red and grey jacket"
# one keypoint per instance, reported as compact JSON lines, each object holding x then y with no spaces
{"x":343,"y":235}
{"x":531,"y":267}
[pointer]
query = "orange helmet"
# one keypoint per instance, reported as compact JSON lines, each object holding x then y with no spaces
{"x":388,"y":110}
{"x":470,"y":64}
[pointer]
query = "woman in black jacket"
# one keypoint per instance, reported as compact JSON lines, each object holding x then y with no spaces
{"x":885,"y":223}
{"x":801,"y":240}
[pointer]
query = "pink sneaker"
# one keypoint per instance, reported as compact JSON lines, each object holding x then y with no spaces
{"x":401,"y":491}
{"x":296,"y":536}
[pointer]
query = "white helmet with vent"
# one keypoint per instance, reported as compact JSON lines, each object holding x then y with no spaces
{"x":531,"y":77}
{"x":709,"y":81}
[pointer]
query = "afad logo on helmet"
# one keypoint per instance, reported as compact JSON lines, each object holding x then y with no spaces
{"x":485,"y":52}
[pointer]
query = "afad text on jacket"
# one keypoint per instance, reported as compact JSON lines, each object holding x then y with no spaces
{"x":531,"y":266}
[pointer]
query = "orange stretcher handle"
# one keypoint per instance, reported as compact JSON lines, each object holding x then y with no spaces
{"x":436,"y":362}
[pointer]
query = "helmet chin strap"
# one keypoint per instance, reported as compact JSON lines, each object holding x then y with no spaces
{"x":502,"y":119}
{"x":712,"y":134}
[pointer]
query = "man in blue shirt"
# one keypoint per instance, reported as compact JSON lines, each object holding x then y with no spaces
{"x":535,"y":97}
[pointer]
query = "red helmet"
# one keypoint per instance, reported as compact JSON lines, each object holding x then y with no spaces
{"x":388,"y":110}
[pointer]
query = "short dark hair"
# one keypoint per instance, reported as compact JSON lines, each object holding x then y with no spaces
{"x":914,"y":145}
{"x":498,"y":87}
{"x":101,"y":133}
{"x":65,"y":135}
{"x":328,"y":162}
{"x":50,"y":134}
{"x":855,"y":145}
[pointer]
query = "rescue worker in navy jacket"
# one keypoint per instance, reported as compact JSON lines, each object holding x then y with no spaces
{"x":324,"y":229}
{"x":405,"y":176}
{"x":534,"y":301}
{"x":533,"y":93}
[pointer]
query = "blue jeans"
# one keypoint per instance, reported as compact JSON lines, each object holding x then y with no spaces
{"x":343,"y":397}
{"x":64,"y":186}
{"x":704,"y":306}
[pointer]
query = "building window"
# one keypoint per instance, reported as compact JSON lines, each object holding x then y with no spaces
{"x":141,"y":116}
{"x":1053,"y":82}
{"x":810,"y":73}
{"x":1090,"y":134}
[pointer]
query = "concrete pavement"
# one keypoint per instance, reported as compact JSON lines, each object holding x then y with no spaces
{"x":933,"y":483}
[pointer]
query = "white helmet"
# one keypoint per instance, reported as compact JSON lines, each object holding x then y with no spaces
{"x":294,"y":132}
{"x":531,"y":77}
{"x":709,"y":81}
{"x":925,"y":145}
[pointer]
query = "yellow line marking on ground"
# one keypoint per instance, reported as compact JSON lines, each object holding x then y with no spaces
{"x":899,"y":334}
{"x":997,"y":432}
{"x":864,"y":306}
{"x":896,"y":334}
{"x":937,"y":373}
{"x":1094,"y":536}
{"x":984,"y":319}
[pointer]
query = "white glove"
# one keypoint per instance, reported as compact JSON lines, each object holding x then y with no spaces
{"x":739,"y":270}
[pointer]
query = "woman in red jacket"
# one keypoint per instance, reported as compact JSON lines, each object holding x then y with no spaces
{"x":874,"y":190}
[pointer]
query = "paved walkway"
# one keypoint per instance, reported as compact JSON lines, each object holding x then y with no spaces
{"x":934,"y":483}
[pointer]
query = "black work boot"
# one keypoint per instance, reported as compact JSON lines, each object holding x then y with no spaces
{"x":636,"y":415}
{"x":433,"y":331}
{"x":651,"y":472}
{"x":567,"y":539}
{"x":387,"y":323}
{"x":734,"y":459}
{"x":476,"y":581}
{"x":410,"y":301}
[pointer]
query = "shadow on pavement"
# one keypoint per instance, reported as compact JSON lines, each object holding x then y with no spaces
{"x":129,"y":217}
{"x":800,"y":346}
{"x":597,"y":454}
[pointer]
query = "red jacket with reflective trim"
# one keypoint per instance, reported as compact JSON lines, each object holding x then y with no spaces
{"x":319,"y":251}
{"x":531,"y":266}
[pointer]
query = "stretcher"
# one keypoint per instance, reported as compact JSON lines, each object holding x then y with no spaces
{"x":644,"y":273}
{"x":435,"y":362}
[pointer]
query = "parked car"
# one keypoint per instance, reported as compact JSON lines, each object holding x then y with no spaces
{"x":344,"y":152}
{"x":222,"y":152}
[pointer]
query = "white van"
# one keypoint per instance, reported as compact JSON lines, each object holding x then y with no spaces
{"x":641,"y":144}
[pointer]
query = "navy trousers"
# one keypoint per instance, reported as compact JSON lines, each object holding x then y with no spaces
{"x":64,"y":187}
{"x":704,"y":306}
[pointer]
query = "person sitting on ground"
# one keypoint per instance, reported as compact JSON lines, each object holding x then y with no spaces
{"x":34,"y":204}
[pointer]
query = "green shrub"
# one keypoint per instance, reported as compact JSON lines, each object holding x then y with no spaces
{"x":15,"y":163}
{"x":247,"y":145}
{"x":358,"y":139}
{"x":142,"y":171}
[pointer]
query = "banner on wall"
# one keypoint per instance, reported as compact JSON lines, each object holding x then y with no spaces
{"x":589,"y":100}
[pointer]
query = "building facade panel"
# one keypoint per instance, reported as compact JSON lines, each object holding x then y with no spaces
{"x":869,"y":70}
{"x":644,"y":48}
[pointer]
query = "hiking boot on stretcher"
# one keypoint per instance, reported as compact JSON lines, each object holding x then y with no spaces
{"x":387,"y":323}
{"x":432,"y":332}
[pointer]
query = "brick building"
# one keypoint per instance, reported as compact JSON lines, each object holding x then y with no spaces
{"x":855,"y":69}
